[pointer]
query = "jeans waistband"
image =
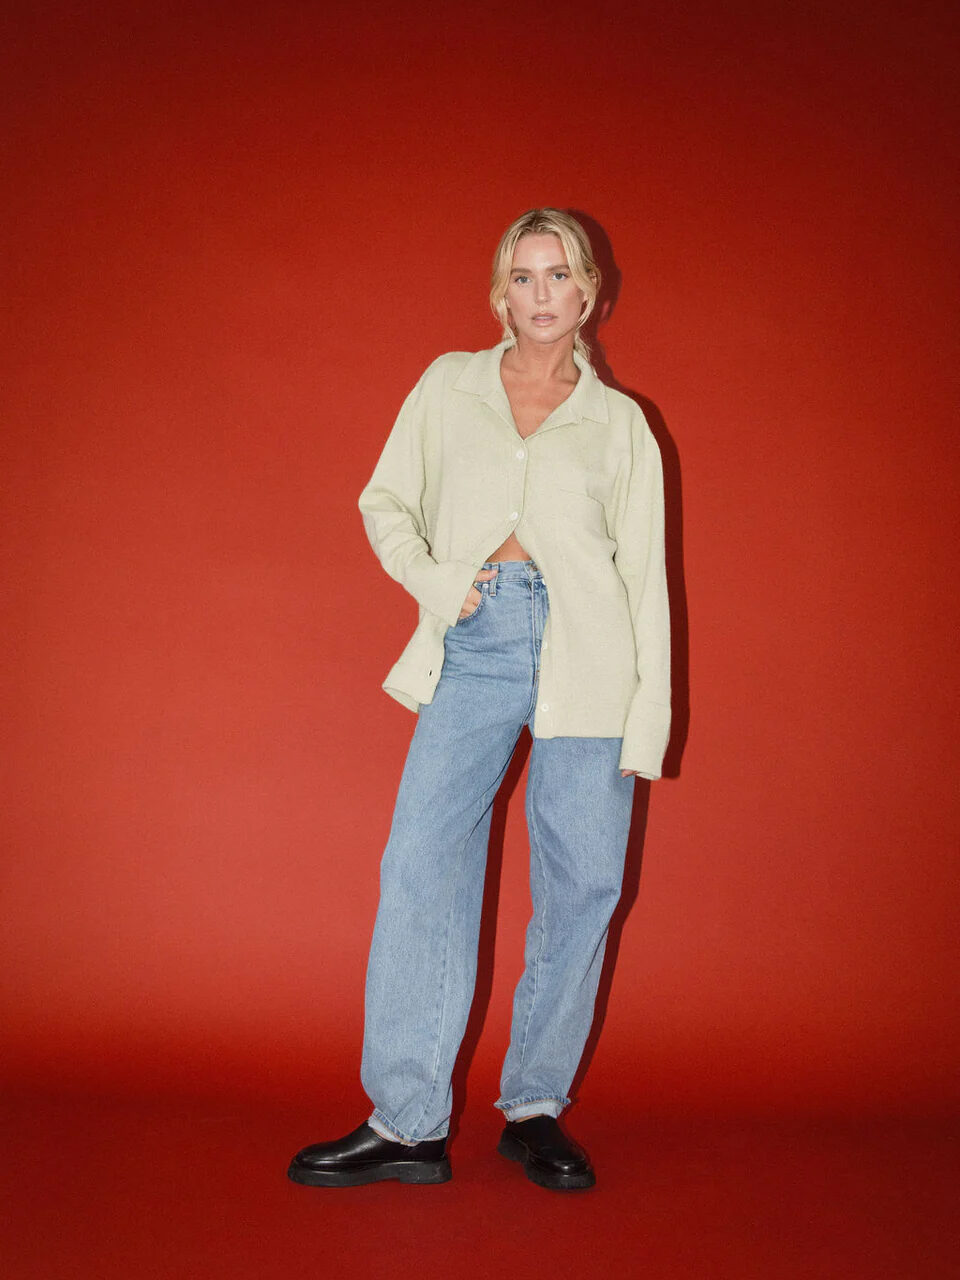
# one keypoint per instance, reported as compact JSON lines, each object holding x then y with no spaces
{"x":525,"y":569}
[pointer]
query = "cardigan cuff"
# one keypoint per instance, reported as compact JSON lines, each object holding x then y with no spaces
{"x":645,"y":737}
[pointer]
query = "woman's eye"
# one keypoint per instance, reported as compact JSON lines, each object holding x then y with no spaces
{"x":520,"y":279}
{"x":561,"y":275}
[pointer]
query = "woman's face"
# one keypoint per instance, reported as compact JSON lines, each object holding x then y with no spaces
{"x":543,"y":301}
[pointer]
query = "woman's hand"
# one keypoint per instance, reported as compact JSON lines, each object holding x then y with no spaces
{"x":625,"y":773}
{"x":473,"y":595}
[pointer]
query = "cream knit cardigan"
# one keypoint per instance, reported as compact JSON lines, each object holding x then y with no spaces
{"x":584,"y":494}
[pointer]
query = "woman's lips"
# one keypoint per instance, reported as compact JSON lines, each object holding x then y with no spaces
{"x":544,"y":319}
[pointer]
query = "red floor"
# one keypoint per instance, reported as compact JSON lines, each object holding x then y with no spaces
{"x":181,"y":1187}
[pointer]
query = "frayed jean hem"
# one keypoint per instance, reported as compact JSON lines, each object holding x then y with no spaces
{"x":522,"y":1108}
{"x":379,"y":1123}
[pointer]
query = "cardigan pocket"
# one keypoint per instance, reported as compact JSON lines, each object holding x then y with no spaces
{"x":583,"y":538}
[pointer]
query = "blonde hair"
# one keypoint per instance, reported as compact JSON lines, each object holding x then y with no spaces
{"x":576,"y":245}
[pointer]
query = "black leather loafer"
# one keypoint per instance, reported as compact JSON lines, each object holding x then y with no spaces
{"x":363,"y":1156}
{"x":549,"y":1157}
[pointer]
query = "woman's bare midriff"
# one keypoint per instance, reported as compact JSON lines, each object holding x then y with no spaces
{"x":510,"y":550}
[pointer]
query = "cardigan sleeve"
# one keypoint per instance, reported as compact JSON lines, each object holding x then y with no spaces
{"x":392,"y":511}
{"x":640,"y":560}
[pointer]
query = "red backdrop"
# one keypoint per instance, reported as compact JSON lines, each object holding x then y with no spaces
{"x":238,"y":234}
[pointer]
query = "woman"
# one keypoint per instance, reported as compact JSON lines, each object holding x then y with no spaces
{"x":520,"y":501}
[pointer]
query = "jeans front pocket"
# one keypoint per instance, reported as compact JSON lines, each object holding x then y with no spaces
{"x":482,"y":588}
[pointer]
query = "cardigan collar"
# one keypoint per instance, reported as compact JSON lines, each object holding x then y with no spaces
{"x":481,"y":376}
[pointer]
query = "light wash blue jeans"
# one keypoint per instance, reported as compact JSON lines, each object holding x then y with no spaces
{"x":423,"y":956}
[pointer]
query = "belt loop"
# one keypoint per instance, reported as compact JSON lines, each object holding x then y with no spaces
{"x":492,"y":583}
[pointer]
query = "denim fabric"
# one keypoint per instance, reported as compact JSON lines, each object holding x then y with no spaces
{"x":423,"y":956}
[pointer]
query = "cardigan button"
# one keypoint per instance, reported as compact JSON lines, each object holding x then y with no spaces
{"x":514,"y":515}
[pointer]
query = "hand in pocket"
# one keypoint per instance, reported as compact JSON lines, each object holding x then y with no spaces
{"x":474,"y":596}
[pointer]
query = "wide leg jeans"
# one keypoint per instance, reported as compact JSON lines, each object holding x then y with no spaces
{"x":422,"y":964}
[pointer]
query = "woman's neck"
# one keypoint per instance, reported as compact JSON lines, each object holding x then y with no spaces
{"x":550,"y":362}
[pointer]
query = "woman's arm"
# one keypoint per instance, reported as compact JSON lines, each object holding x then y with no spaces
{"x":393,"y":515}
{"x":640,"y":560}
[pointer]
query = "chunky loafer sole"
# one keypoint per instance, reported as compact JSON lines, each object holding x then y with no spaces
{"x":553,"y":1179}
{"x":415,"y":1171}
